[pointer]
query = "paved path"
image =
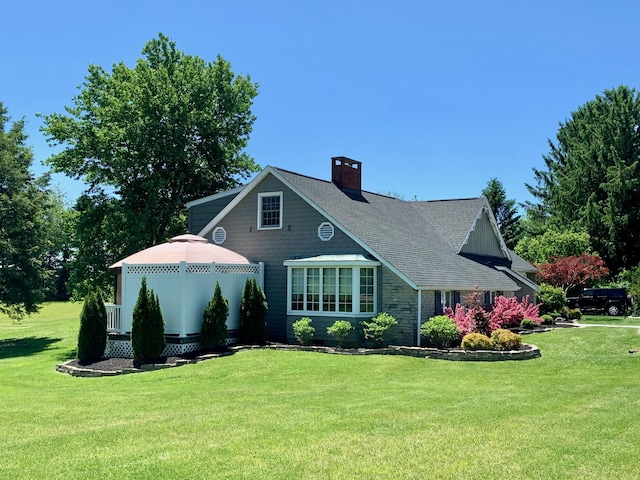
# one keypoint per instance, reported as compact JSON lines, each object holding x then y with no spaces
{"x":605,"y":325}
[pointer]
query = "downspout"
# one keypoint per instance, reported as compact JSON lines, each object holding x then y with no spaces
{"x":419,"y":317}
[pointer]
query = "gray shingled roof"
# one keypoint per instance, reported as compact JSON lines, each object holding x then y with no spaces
{"x":420,"y":240}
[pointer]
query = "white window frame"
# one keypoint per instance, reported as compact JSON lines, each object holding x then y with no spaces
{"x":269,"y":227}
{"x":355,"y":288}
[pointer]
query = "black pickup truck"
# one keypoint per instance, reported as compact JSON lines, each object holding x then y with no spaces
{"x":611,"y":301}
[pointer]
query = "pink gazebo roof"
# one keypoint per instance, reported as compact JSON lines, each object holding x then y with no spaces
{"x":184,"y":248}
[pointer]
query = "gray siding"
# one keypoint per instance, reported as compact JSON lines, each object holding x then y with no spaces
{"x":483,"y":240}
{"x":297,"y":239}
{"x":202,"y":214}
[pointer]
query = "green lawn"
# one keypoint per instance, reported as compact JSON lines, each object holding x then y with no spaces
{"x":574,"y":413}
{"x":606,"y":320}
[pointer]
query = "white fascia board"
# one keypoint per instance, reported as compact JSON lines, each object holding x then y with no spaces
{"x":494,"y":226}
{"x":215,"y":196}
{"x":342,"y":260}
{"x":521,"y":278}
{"x":462,"y":288}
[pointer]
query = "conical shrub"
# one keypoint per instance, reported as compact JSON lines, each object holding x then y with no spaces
{"x":92,"y":337}
{"x":253,"y":314}
{"x":147,"y":327}
{"x":214,"y":320}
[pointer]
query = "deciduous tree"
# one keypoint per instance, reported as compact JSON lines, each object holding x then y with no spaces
{"x":570,"y":272}
{"x":148,"y":139}
{"x":553,"y":243}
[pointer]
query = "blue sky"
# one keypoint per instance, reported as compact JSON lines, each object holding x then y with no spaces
{"x":435,"y":98}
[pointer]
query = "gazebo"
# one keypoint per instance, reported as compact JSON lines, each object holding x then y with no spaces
{"x":183,"y":272}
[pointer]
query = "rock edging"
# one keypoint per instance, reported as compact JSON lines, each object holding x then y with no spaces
{"x":527,"y":352}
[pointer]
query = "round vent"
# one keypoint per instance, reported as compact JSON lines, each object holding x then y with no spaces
{"x":219,"y":235}
{"x":325,"y":231}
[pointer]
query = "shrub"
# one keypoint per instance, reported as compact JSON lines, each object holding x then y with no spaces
{"x":147,"y":327}
{"x":340,"y":330}
{"x":214,"y":320}
{"x":509,"y":312}
{"x":440,"y":331}
{"x":378,"y":326}
{"x":502,"y":339}
{"x":573,"y":314}
{"x":551,"y":298}
{"x":92,"y":337}
{"x":303,"y":330}
{"x":476,"y":341}
{"x":253,"y":314}
{"x":547,"y":319}
{"x":527,"y":323}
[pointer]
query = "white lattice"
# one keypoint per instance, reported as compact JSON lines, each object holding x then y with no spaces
{"x":152,"y":269}
{"x":119,"y":349}
{"x":199,"y":269}
{"x":238,"y":269}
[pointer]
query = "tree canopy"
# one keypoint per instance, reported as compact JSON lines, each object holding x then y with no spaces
{"x":592,"y":177}
{"x":553,"y":243}
{"x":504,"y":210}
{"x":147,"y":140}
{"x":23,"y":200}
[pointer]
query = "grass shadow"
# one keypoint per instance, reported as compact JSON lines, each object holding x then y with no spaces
{"x":23,"y":347}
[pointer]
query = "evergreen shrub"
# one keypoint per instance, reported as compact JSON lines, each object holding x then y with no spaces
{"x":440,"y":331}
{"x":502,"y":339}
{"x":547,"y":319}
{"x":551,"y":299}
{"x":476,"y":341}
{"x":253,"y":314}
{"x":147,"y":327}
{"x":92,"y":337}
{"x":527,"y":323}
{"x":214,"y":320}
{"x":303,"y":330}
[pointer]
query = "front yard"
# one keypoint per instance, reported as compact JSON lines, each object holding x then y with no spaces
{"x":574,"y":413}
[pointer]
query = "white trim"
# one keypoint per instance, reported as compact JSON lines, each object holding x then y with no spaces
{"x":494,"y":225}
{"x":269,"y":227}
{"x":355,"y":290}
{"x":215,"y":196}
{"x":419,"y":317}
{"x":355,"y":260}
{"x":270,"y":170}
{"x":521,"y":278}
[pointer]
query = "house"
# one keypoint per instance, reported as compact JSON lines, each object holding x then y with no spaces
{"x":334,"y":251}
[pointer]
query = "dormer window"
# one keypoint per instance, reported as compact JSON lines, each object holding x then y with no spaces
{"x":269,"y":210}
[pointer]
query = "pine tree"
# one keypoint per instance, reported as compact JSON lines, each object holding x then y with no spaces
{"x":214,"y":320}
{"x":504,"y":210}
{"x":92,"y":337}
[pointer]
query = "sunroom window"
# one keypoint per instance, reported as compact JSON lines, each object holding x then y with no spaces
{"x":327,"y":285}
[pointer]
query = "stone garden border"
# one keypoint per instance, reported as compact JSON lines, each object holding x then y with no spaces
{"x":526,"y":352}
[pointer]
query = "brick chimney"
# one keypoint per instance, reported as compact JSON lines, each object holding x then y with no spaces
{"x":347,"y":174}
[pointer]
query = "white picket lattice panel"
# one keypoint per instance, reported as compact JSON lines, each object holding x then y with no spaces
{"x":152,"y":269}
{"x":238,"y":269}
{"x":199,"y":269}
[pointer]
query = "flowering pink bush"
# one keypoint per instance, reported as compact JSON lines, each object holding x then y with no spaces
{"x":506,"y":313}
{"x":509,"y":312}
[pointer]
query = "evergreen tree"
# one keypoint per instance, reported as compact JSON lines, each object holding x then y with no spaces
{"x":214,"y":320}
{"x":504,"y":211}
{"x":147,"y":328}
{"x":92,"y":337}
{"x":592,"y":176}
{"x":23,"y":232}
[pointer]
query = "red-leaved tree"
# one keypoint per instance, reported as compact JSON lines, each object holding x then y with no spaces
{"x":571,"y":272}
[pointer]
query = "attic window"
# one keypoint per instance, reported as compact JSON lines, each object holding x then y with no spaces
{"x":219,"y":235}
{"x":325,"y":231}
{"x":269,"y":210}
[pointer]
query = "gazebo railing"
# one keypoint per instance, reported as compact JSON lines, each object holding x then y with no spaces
{"x":114,"y":317}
